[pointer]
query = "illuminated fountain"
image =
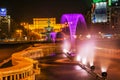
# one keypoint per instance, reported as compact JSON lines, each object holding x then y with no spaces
{"x":73,"y":20}
{"x":86,"y":51}
{"x":53,"y":36}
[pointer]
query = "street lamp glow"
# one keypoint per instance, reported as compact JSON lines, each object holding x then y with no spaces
{"x":88,"y":36}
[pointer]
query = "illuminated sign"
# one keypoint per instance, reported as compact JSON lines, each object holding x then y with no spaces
{"x":100,"y":12}
{"x":3,"y":12}
{"x":96,"y":1}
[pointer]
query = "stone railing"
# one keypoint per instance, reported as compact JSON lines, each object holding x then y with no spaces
{"x":25,"y":67}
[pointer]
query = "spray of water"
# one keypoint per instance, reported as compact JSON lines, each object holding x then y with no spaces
{"x":72,"y":20}
{"x":104,"y":65}
{"x":86,"y":52}
{"x":66,"y":46}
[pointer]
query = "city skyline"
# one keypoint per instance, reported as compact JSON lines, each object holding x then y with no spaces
{"x":25,"y":10}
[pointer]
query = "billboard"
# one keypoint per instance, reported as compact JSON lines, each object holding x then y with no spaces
{"x":3,"y":11}
{"x":100,"y":12}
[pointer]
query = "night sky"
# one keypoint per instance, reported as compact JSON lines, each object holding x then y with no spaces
{"x":25,"y":10}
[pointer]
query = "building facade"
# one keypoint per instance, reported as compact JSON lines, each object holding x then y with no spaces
{"x":4,"y":24}
{"x":106,"y":14}
{"x":39,"y":25}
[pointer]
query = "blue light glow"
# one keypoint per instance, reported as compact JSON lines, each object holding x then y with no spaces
{"x":3,"y":11}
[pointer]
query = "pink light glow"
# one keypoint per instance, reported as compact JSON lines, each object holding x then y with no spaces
{"x":105,"y":65}
{"x":103,"y":69}
{"x":82,"y":71}
{"x":72,"y":20}
{"x":65,"y":50}
{"x":53,"y":36}
{"x":91,"y":62}
{"x":86,"y":52}
{"x":77,"y":67}
{"x":84,"y":60}
{"x":66,"y":46}
{"x":78,"y":58}
{"x":64,"y":55}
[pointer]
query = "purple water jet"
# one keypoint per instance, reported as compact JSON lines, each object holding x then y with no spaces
{"x":53,"y":36}
{"x":73,"y":20}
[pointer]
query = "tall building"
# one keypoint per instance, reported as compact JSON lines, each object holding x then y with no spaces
{"x":106,"y":12}
{"x":113,"y":3}
{"x":114,"y":10}
{"x":4,"y":23}
{"x":99,"y":11}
